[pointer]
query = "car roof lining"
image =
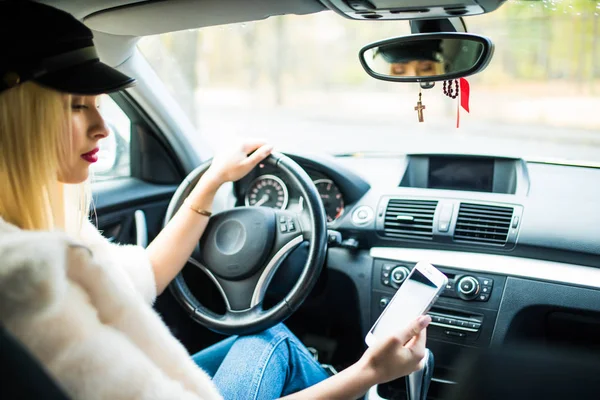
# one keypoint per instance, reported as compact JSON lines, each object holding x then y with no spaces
{"x":156,"y":17}
{"x":81,"y":9}
{"x":117,"y":24}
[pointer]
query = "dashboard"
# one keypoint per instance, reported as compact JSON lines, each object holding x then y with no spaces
{"x":519,"y":242}
{"x":503,"y":206}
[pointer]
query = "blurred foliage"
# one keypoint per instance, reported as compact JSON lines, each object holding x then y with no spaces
{"x":545,"y":40}
{"x":548,"y":47}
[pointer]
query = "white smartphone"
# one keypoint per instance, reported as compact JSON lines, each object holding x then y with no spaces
{"x":415,"y":297}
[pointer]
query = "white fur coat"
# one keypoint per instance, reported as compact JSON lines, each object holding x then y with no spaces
{"x":84,"y":310}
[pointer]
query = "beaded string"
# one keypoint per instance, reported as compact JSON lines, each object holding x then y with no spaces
{"x":449,"y":90}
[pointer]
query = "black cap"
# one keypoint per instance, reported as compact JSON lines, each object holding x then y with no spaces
{"x":405,"y":52}
{"x":51,"y":47}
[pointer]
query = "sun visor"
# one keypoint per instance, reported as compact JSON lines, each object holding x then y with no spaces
{"x":155,"y":17}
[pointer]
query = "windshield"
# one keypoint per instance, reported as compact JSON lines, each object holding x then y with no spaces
{"x":296,"y":81}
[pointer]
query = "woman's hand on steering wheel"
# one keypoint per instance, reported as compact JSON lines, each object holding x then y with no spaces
{"x":235,"y":162}
{"x":229,"y":165}
{"x":241,"y":248}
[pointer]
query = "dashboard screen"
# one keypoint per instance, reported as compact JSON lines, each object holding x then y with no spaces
{"x":461,"y":174}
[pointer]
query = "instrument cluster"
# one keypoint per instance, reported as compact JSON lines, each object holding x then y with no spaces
{"x":270,"y":190}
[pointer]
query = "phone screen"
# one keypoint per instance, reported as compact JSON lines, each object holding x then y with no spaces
{"x":411,"y":300}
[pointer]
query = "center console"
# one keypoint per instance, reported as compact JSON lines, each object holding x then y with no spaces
{"x":463,"y":319}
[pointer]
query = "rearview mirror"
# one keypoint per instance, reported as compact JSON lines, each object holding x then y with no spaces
{"x":427,"y":57}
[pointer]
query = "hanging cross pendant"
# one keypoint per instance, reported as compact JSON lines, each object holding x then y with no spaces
{"x":419,"y":108}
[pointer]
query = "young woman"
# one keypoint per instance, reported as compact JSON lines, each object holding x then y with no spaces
{"x":50,"y":127}
{"x":425,"y":59}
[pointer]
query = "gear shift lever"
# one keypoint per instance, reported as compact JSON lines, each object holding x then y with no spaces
{"x":417,"y":383}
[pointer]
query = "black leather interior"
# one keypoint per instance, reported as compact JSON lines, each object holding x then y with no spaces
{"x":23,"y":377}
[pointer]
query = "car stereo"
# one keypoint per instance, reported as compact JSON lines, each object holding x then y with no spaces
{"x":466,"y":287}
{"x":462,"y":319}
{"x":464,"y":313}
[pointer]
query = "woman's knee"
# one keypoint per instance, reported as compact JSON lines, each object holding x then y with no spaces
{"x":277,"y":331}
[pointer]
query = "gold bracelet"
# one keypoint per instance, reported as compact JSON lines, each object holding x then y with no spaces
{"x":200,"y":211}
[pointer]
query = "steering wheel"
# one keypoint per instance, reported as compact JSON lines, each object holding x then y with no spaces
{"x":242,"y":248}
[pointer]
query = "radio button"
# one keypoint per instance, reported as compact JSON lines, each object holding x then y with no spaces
{"x":383,"y":302}
{"x":399,"y":274}
{"x":455,"y":334}
{"x":387,"y":267}
{"x":468,"y":287}
{"x":486,"y":281}
{"x":483,"y":297}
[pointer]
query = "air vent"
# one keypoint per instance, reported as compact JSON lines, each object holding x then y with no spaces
{"x":485,"y":224}
{"x":410,"y":219}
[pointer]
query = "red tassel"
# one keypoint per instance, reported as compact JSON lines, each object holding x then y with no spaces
{"x":465,"y":91}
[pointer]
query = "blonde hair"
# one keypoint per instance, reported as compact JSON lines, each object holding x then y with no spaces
{"x":34,"y":136}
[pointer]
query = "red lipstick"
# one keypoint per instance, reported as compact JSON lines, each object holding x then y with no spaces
{"x":91,"y":156}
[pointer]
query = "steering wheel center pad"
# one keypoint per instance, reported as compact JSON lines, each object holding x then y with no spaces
{"x":237,"y":242}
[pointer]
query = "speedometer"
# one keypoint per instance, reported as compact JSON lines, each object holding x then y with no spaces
{"x":267,"y":191}
{"x":332,"y":198}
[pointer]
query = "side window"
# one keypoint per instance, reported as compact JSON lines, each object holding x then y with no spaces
{"x":113,"y":158}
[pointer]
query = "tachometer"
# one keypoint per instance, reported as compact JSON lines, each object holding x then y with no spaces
{"x":267,"y":191}
{"x":332,"y":198}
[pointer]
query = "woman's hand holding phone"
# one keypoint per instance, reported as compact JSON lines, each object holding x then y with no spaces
{"x":397,"y":355}
{"x":390,"y":358}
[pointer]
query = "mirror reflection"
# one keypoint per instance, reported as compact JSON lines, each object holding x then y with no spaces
{"x":424,"y":58}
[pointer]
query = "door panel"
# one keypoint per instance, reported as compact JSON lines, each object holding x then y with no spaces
{"x":117,"y":202}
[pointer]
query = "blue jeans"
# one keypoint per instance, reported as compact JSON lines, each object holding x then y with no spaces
{"x":269,"y":365}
